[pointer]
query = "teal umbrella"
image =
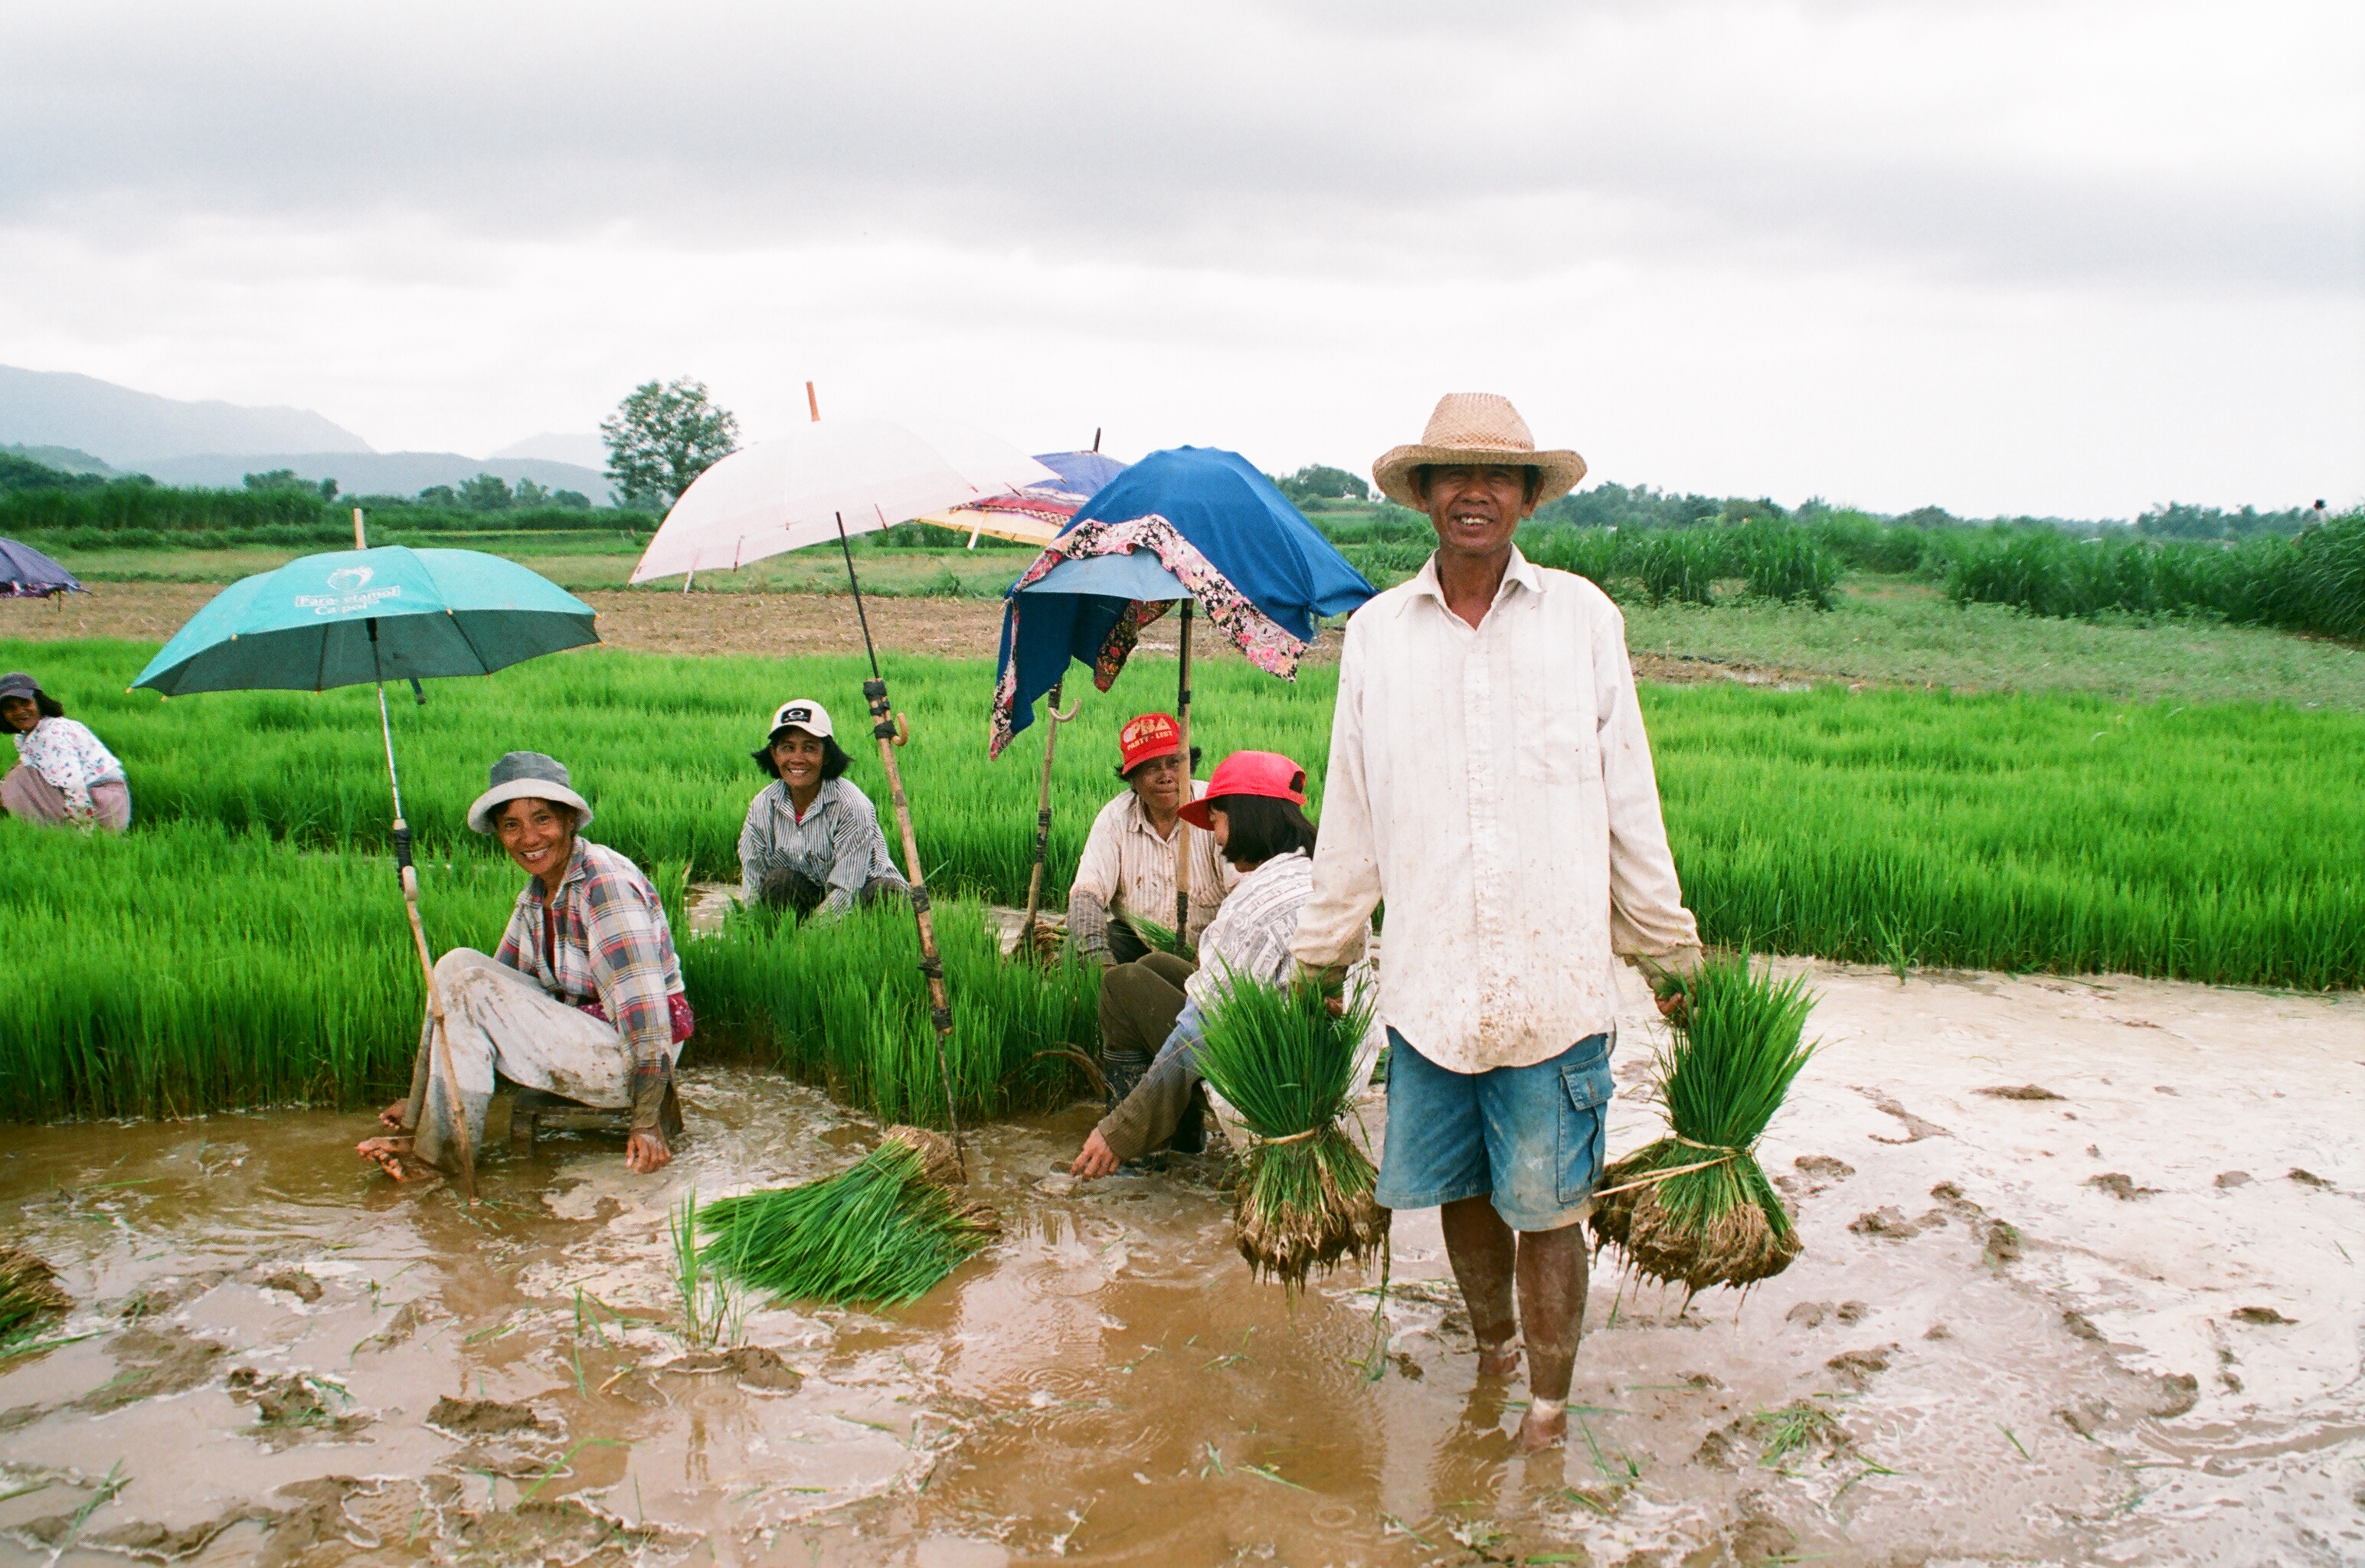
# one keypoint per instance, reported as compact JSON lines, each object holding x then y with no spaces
{"x":358,"y":615}
{"x":369,"y":615}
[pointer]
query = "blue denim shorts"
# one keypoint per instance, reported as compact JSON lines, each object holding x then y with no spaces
{"x":1530,"y":1137}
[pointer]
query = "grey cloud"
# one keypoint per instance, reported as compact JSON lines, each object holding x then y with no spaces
{"x":1315,"y":137}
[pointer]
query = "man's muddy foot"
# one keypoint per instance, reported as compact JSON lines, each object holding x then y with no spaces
{"x":394,"y":1156}
{"x":1499,"y":1360}
{"x":1539,"y":1432}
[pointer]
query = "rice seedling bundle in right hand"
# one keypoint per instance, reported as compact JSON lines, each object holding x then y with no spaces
{"x":1286,"y":1063}
{"x":1695,"y":1207}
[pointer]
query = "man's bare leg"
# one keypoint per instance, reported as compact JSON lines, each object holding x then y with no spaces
{"x":1554,"y":1269}
{"x":1483,"y":1252}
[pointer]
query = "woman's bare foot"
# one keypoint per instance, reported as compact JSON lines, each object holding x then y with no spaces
{"x":1543,"y":1427}
{"x":394,"y":1114}
{"x":1499,"y":1360}
{"x":395,"y":1157}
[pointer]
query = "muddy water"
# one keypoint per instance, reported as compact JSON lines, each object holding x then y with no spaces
{"x":2025,"y":1329}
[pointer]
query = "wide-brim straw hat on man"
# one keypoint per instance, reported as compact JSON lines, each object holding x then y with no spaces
{"x":1474,"y":427}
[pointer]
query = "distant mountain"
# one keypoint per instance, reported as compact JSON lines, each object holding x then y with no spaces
{"x":587,"y":450}
{"x":376,"y":473}
{"x":64,"y":459}
{"x":135,"y":430}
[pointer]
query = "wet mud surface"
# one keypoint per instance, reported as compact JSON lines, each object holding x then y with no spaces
{"x":1986,"y":1354}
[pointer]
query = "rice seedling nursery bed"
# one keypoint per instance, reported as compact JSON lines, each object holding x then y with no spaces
{"x":2216,"y":843}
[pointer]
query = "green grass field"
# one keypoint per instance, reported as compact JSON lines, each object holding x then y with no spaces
{"x":2213,"y":842}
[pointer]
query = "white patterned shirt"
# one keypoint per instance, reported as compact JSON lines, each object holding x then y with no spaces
{"x":72,"y":759}
{"x":1494,"y":785}
{"x":1130,"y":870}
{"x":837,"y":844}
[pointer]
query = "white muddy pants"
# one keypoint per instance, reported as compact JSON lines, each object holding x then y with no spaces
{"x":497,"y":1019}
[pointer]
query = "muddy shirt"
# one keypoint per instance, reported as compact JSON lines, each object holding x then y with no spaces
{"x":1128,"y":870}
{"x":1494,"y":785}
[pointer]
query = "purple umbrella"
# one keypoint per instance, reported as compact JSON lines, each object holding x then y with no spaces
{"x":26,"y":573}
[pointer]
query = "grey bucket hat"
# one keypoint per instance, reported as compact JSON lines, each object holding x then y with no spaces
{"x":16,"y":683}
{"x":527,"y":774}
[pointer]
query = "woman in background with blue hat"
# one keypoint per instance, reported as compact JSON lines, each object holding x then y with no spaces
{"x":583,"y":999}
{"x":811,"y":843}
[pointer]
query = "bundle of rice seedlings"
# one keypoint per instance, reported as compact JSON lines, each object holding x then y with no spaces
{"x":1694,"y":1208}
{"x":1158,"y":938}
{"x":1303,"y":1196}
{"x":882,"y":1232}
{"x":29,"y":1293}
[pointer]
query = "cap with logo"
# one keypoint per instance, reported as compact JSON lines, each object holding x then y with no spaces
{"x":1263,"y":773}
{"x":796,"y":713}
{"x":1146,"y":737}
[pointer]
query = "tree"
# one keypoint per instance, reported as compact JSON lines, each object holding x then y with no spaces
{"x":437,"y":495}
{"x":485,"y":492}
{"x":529,"y":494}
{"x":1317,"y":481}
{"x":662,"y":437}
{"x":573,"y":500}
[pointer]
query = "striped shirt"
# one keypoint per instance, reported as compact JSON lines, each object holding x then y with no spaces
{"x":837,"y":845}
{"x":1129,"y":870}
{"x":1250,"y":935}
{"x":603,"y":938}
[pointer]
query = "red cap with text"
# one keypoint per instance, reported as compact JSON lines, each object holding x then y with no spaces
{"x":1146,"y":737}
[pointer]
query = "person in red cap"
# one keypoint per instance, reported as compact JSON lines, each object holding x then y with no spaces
{"x":1126,"y":875}
{"x":1255,"y":809}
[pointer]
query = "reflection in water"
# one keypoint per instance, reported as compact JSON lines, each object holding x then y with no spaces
{"x":270,"y":1339}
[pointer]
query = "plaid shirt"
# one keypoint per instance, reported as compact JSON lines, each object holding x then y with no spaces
{"x":604,"y":939}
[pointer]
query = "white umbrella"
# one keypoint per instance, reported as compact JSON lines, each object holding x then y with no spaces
{"x":824,"y":480}
{"x":827,"y":481}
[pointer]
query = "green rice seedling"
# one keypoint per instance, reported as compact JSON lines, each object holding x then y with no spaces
{"x":1285,"y":1062}
{"x":29,"y":1293}
{"x":842,"y":1004}
{"x":882,"y":1233}
{"x":1694,"y":1208}
{"x":1159,"y":938}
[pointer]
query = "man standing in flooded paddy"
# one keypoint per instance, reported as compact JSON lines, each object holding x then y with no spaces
{"x":1490,"y":779}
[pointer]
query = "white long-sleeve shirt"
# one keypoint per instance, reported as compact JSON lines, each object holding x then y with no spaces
{"x":1494,"y":785}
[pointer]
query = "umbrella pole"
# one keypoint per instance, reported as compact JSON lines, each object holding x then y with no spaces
{"x":1053,"y":719}
{"x":1183,"y":829}
{"x":439,"y":1042}
{"x":887,"y":730}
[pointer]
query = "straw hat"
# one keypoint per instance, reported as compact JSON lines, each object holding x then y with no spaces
{"x":1476,"y":427}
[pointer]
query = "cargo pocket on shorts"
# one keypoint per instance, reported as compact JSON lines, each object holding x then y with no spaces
{"x":1586,"y":1089}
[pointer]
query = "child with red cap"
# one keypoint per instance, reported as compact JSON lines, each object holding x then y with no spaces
{"x":1254,"y":809}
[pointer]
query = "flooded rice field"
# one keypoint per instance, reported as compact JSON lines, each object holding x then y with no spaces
{"x":2082,"y":1284}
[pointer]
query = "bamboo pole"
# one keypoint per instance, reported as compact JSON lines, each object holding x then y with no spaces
{"x":1053,"y":719}
{"x":1183,"y":829}
{"x":439,"y":1042}
{"x":890,"y":733}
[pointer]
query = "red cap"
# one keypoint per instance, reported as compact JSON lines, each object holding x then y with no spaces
{"x":1146,"y":737}
{"x":1265,"y":773}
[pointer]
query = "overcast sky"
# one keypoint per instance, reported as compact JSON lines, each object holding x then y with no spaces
{"x":2061,"y":257}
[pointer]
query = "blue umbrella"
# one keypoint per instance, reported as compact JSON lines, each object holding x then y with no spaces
{"x":26,"y":573}
{"x":361,"y":615}
{"x":1086,"y":606}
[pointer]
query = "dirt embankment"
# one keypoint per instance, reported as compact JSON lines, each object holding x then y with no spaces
{"x":780,"y":624}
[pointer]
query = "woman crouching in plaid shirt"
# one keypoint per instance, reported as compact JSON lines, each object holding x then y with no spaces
{"x":583,"y":999}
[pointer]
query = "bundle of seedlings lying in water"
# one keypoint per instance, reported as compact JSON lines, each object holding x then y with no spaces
{"x":882,"y":1232}
{"x":1694,"y":1208}
{"x":1286,"y":1064}
{"x":29,"y":1293}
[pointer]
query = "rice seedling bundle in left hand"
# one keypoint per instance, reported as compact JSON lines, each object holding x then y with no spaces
{"x":1286,"y":1063}
{"x":1694,"y":1207}
{"x":882,"y":1232}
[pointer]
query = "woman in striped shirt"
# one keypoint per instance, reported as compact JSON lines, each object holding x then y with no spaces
{"x":811,"y":842}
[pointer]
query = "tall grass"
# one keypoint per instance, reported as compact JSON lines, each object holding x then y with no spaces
{"x":185,"y":968}
{"x":2216,"y":843}
{"x":2311,"y":582}
{"x":166,"y":973}
{"x":844,"y":1005}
